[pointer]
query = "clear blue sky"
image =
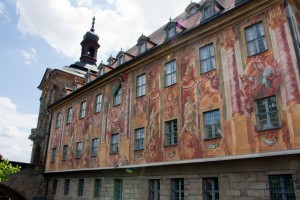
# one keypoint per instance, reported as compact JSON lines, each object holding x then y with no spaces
{"x":37,"y":34}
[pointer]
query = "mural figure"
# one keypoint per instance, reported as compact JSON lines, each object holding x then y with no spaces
{"x":190,"y":114}
{"x":152,"y":126}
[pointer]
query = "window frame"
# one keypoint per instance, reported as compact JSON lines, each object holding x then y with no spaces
{"x":117,"y":98}
{"x":171,"y":32}
{"x":268,"y":113}
{"x":283,"y":188}
{"x":141,"y":86}
{"x":118,"y":189}
{"x":66,"y":187}
{"x":214,"y":191}
{"x":257,"y":38}
{"x":69,"y":115}
{"x":172,"y":74}
{"x":65,"y":152}
{"x":82,"y":112}
{"x":78,"y":150}
{"x":121,"y":59}
{"x":154,"y":189}
{"x":94,"y":147}
{"x":206,"y":15}
{"x":177,"y":193}
{"x":214,"y":135}
{"x":139,"y":136}
{"x":58,"y":120}
{"x":143,"y":47}
{"x":80,"y":188}
{"x":171,"y":132}
{"x":54,"y":186}
{"x":97,"y":188}
{"x":98,"y":103}
{"x":53,"y":154}
{"x":209,"y":49}
{"x":114,"y":144}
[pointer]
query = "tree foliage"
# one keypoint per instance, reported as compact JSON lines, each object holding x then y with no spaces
{"x":6,"y":169}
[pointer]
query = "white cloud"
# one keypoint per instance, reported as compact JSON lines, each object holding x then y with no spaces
{"x":29,"y":55}
{"x":119,"y":23}
{"x":15,"y":128}
{"x":3,"y":12}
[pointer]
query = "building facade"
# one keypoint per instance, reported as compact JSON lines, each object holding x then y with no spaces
{"x":206,"y":107}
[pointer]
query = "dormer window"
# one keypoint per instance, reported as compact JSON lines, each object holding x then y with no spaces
{"x":121,"y":59}
{"x":101,"y":71}
{"x":88,"y":77}
{"x":171,"y":32}
{"x":192,"y":10}
{"x":143,"y":47}
{"x":208,"y":12}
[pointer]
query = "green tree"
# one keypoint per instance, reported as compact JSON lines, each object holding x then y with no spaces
{"x":6,"y":169}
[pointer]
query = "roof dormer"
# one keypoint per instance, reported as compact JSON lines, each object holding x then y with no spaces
{"x":172,"y":29}
{"x":123,"y":57}
{"x":192,"y":9}
{"x":88,"y":77}
{"x":144,"y":43}
{"x":111,"y":60}
{"x":209,"y":8}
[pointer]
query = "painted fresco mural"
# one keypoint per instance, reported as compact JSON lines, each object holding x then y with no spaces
{"x":270,"y":73}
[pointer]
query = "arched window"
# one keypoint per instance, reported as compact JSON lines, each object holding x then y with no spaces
{"x":91,"y":52}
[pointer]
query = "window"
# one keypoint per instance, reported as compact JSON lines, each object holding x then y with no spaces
{"x":101,"y":71}
{"x":154,"y":189}
{"x":208,"y":12}
{"x":212,"y":127}
{"x":171,"y":132}
{"x":65,"y":152}
{"x":53,"y":155}
{"x":207,"y":58}
{"x":141,"y":85}
{"x":66,"y":187}
{"x":82,"y":109}
{"x":267,"y":113}
{"x":192,"y":10}
{"x":98,"y":103}
{"x":177,"y":189}
{"x":139,"y":139}
{"x":281,"y":187}
{"x":171,"y":32}
{"x":118,"y":189}
{"x":69,"y":115}
{"x":255,"y":37}
{"x":94,"y":147}
{"x":121,"y":60}
{"x":114,"y":148}
{"x":80,"y":187}
{"x":170,"y":73}
{"x":54,"y":186}
{"x":58,"y":120}
{"x":117,"y":96}
{"x":211,"y":188}
{"x":143,"y":47}
{"x":97,"y":188}
{"x":78,"y":149}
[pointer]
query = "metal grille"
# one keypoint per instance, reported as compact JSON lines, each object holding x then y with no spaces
{"x":281,"y":187}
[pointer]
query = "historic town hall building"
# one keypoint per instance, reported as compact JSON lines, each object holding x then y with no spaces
{"x":206,"y":107}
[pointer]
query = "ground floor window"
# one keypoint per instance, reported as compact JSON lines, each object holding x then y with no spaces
{"x":281,"y":187}
{"x":211,"y":188}
{"x":177,"y":189}
{"x":154,"y":189}
{"x":118,"y":189}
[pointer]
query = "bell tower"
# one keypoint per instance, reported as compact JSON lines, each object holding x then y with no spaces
{"x":90,"y":46}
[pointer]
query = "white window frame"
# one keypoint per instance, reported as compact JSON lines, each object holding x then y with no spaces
{"x":258,"y":39}
{"x":212,"y":122}
{"x":141,"y":85}
{"x":114,"y":147}
{"x":266,"y":103}
{"x":170,"y":73}
{"x":78,"y":150}
{"x":58,"y":120}
{"x":117,"y":97}
{"x":171,"y":32}
{"x":207,"y":58}
{"x":171,"y":128}
{"x":82,"y":109}
{"x":208,"y":12}
{"x":69,"y":115}
{"x":95,"y":145}
{"x":98,"y":103}
{"x":139,"y":138}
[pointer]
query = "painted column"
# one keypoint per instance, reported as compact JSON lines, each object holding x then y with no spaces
{"x":291,"y":87}
{"x":236,"y":102}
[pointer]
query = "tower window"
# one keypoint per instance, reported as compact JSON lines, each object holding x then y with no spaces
{"x":91,"y":52}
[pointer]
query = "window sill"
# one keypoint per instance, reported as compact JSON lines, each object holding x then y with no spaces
{"x":166,"y":86}
{"x":140,"y":96}
{"x":203,"y":73}
{"x":93,"y":156}
{"x":257,"y":53}
{"x":170,"y":145}
{"x":64,"y":160}
{"x":269,"y":129}
{"x":138,"y":150}
{"x":208,"y":139}
{"x":81,"y":118}
{"x":77,"y":157}
{"x":68,"y":123}
{"x":116,"y":105}
{"x":113,"y":153}
{"x":97,"y":112}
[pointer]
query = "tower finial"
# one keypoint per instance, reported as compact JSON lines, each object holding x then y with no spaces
{"x":93,"y":24}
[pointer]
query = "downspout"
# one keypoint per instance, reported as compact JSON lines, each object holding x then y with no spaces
{"x":45,"y":157}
